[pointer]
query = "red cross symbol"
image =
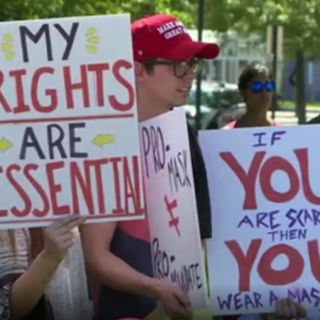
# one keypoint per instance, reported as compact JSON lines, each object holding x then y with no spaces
{"x":174,"y":221}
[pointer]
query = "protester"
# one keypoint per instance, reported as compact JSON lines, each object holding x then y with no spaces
{"x":256,"y":87}
{"x":118,"y":255}
{"x":33,"y":274}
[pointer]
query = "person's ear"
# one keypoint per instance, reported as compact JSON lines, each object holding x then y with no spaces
{"x":139,"y":71}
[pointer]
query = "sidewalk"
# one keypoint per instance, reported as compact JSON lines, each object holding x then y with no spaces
{"x":288,"y":117}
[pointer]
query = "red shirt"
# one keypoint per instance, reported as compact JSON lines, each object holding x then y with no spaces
{"x":231,"y":125}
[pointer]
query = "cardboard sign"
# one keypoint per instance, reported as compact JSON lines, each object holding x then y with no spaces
{"x":265,"y":195}
{"x":68,"y":122}
{"x":171,"y":206}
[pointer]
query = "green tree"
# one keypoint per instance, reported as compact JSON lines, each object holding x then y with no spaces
{"x":35,"y":9}
{"x":300,"y":19}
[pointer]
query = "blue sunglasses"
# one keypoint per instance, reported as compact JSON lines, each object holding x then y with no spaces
{"x":258,"y":86}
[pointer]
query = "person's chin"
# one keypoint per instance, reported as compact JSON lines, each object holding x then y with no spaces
{"x":181,"y":103}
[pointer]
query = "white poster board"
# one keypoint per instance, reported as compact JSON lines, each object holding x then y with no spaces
{"x":265,"y":195}
{"x":68,"y":122}
{"x":171,"y":204}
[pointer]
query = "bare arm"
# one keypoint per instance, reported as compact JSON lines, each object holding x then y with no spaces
{"x":27,"y":290}
{"x":107,"y":268}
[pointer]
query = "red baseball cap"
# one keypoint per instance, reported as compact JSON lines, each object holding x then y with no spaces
{"x":165,"y":37}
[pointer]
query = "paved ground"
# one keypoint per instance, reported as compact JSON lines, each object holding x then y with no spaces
{"x":285,"y":117}
{"x":289,"y":118}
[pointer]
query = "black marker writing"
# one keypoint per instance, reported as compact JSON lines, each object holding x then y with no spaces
{"x":153,"y":145}
{"x":187,"y":276}
{"x":45,"y":32}
{"x":178,"y":171}
{"x":65,"y":145}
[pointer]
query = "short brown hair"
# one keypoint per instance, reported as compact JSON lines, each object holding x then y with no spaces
{"x":250,"y":72}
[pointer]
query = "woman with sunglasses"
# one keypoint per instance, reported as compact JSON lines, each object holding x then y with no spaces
{"x":256,"y":87}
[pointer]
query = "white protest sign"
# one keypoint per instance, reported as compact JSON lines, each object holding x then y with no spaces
{"x":171,"y":205}
{"x":69,"y":136}
{"x":265,"y":195}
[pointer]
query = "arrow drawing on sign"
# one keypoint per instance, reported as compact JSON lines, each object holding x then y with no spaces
{"x":7,"y":46}
{"x":174,"y":221}
{"x":102,"y":139}
{"x":5,"y":144}
{"x":92,"y":40}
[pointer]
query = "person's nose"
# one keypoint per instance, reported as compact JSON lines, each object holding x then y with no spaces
{"x":190,"y":75}
{"x":265,"y":94}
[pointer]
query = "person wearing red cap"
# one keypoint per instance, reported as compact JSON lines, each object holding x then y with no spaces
{"x":118,"y":255}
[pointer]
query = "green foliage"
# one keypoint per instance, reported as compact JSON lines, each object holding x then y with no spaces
{"x":34,"y":9}
{"x":300,"y":19}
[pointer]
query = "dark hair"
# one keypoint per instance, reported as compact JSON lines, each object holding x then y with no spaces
{"x":149,"y":65}
{"x":251,"y":71}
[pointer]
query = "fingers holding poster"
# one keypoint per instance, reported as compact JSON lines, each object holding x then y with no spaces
{"x":266,"y":241}
{"x":171,"y":207}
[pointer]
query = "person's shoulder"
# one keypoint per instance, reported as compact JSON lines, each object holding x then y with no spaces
{"x":315,"y":120}
{"x":136,"y":228}
{"x":275,"y":123}
{"x":230,"y":125}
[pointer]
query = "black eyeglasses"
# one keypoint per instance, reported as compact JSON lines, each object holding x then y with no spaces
{"x":180,"y":68}
{"x":258,"y":86}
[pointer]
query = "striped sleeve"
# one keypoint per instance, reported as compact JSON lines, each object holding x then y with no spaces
{"x":5,"y":301}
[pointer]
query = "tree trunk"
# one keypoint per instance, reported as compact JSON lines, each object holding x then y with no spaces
{"x":300,"y":87}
